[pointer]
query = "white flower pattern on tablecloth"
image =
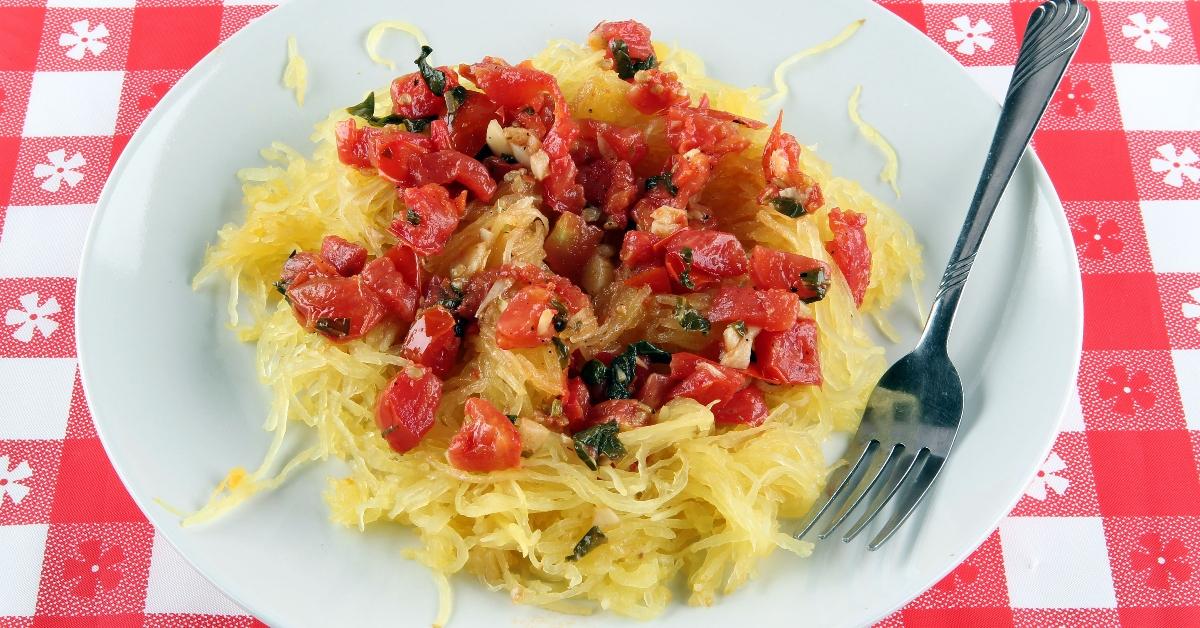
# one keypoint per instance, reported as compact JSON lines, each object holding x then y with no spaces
{"x":968,"y":35}
{"x":60,"y":170}
{"x":1147,"y":32}
{"x":1046,"y":477}
{"x":10,"y":480}
{"x":1176,"y":165}
{"x":1192,"y":309}
{"x":34,"y":315}
{"x":84,"y":39}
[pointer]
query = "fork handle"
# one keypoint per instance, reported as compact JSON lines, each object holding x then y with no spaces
{"x":1051,"y":38}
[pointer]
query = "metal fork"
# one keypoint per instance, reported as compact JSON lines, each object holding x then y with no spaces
{"x":913,"y":414}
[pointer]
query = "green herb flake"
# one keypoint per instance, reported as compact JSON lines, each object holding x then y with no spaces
{"x":740,"y":328}
{"x":334,"y":327}
{"x":594,"y":373}
{"x":455,"y":98}
{"x":685,"y":277}
{"x":366,"y":111}
{"x":434,"y":78}
{"x":590,"y":541}
{"x":623,"y":368}
{"x":564,"y":354}
{"x":512,"y":418}
{"x":452,"y":297}
{"x":663,"y":180}
{"x":817,"y":281}
{"x":789,"y":207}
{"x":281,"y":286}
{"x":560,"y":316}
{"x":690,"y":319}
{"x":599,"y":441}
{"x":413,"y":217}
{"x":625,"y":65}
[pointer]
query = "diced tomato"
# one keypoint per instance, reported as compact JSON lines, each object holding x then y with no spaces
{"x":714,"y":132}
{"x":850,"y":251}
{"x":412,"y":98}
{"x":511,"y":87}
{"x":487,"y":440}
{"x":405,"y":410}
{"x":428,"y":219}
{"x":451,"y":166}
{"x":576,"y":403}
{"x":656,"y":277}
{"x":654,"y":388}
{"x":570,"y":243}
{"x":469,"y":122}
{"x":390,"y":286}
{"x":363,"y":146}
{"x":431,"y":340}
{"x":351,"y":143}
{"x":638,"y":248}
{"x":789,"y":357}
{"x":773,"y":310}
{"x":635,"y":35}
{"x":500,"y":166}
{"x":611,"y":186}
{"x":628,"y":413}
{"x":407,"y":264}
{"x":569,"y":293}
{"x":536,"y":121}
{"x":525,"y":322}
{"x":689,"y":175}
{"x":348,"y":258}
{"x":608,"y":141}
{"x":746,"y":407}
{"x":596,"y":176}
{"x":302,"y":266}
{"x":439,"y":133}
{"x":702,"y":379}
{"x":337,"y":307}
{"x":805,"y":276}
{"x":697,"y":258}
{"x":655,"y":90}
{"x":787,"y":183}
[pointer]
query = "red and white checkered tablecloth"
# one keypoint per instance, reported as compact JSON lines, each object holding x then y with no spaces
{"x":1108,"y":533}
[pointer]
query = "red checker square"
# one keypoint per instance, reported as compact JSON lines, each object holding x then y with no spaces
{"x":1093,"y":49}
{"x":1119,"y":312}
{"x":235,"y":18}
{"x":60,"y":170}
{"x":977,"y":582}
{"x":1129,"y":390}
{"x":1193,"y":10}
{"x":975,"y":34}
{"x":911,"y":12}
{"x":16,"y":622}
{"x":182,"y":620}
{"x":105,"y":620}
{"x":943,"y":617}
{"x":95,"y":569}
{"x":1086,"y":99}
{"x":20,"y":31}
{"x":1160,"y":617}
{"x":39,"y":317}
{"x":118,"y":147}
{"x":1139,"y":32}
{"x":88,"y":487}
{"x":1155,"y":560}
{"x":14,"y":99}
{"x":1064,"y":486}
{"x":1088,"y":165}
{"x":1181,"y":306}
{"x":1166,"y":166}
{"x":79,"y":418}
{"x":10,"y":149}
{"x":27,"y":471}
{"x":1109,"y":236}
{"x":140,"y":93}
{"x":1064,"y":617}
{"x":172,"y":38}
{"x":1143,"y":474}
{"x":85,"y":39}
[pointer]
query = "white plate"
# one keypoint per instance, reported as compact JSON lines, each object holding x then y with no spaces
{"x":175,"y":398}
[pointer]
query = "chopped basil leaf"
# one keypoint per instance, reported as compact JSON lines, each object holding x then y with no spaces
{"x":663,"y":180}
{"x":560,"y":316}
{"x":597,"y":441}
{"x":335,"y":327}
{"x":366,"y":111}
{"x":564,"y":354}
{"x":281,"y":286}
{"x":434,"y":78}
{"x":789,"y":207}
{"x":513,"y":418}
{"x":623,"y":368}
{"x":591,"y":539}
{"x":739,"y":327}
{"x":452,"y":297}
{"x":649,"y":350}
{"x":455,"y":98}
{"x":413,"y":217}
{"x":594,"y":373}
{"x":460,"y":326}
{"x":690,"y":319}
{"x":292,"y":254}
{"x":685,"y":277}
{"x":625,"y":65}
{"x":817,"y":281}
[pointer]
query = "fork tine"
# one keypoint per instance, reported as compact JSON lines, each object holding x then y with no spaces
{"x":879,"y":462}
{"x":904,"y":465}
{"x":815,"y":513}
{"x":916,"y":491}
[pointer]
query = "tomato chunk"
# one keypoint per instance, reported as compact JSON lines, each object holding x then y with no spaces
{"x":697,"y":258}
{"x":407,"y":264}
{"x":715,"y":133}
{"x":469,"y":121}
{"x":746,"y":407}
{"x":396,"y":292}
{"x":772,"y":310}
{"x":634,"y":34}
{"x":570,"y":243}
{"x":412,"y":98}
{"x":628,"y":413}
{"x":850,"y":251}
{"x":805,"y":276}
{"x":601,"y":140}
{"x":655,"y":90}
{"x":405,"y":410}
{"x":451,"y":166}
{"x":348,"y":258}
{"x":337,"y":307}
{"x":576,"y":403}
{"x":656,"y":277}
{"x":788,"y":188}
{"x":702,"y":379}
{"x":428,"y":220}
{"x":362,"y":146}
{"x":789,"y":357}
{"x":611,"y":186}
{"x":528,"y":320}
{"x":637,"y":248}
{"x":302,"y":266}
{"x":431,"y":341}
{"x":654,"y":389}
{"x":487,"y":440}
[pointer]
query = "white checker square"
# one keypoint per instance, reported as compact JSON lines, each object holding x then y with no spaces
{"x":1072,"y":418}
{"x":68,"y":104}
{"x":1167,"y":223}
{"x":1057,"y":562}
{"x":992,"y":78}
{"x":1157,"y":97}
{"x":1187,"y":371}
{"x":22,"y":548}
{"x":35,"y":397}
{"x":43,"y":241}
{"x":175,"y":587}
